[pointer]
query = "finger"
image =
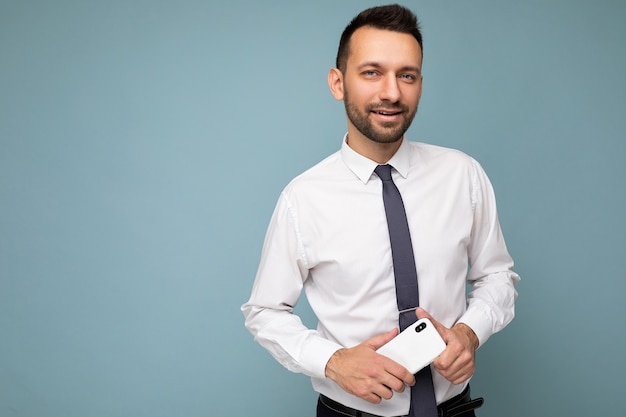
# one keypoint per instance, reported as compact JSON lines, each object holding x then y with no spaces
{"x":397,"y":376}
{"x":423,"y":314}
{"x":451,"y":358}
{"x":372,"y":398}
{"x":401,"y":375}
{"x":383,"y":392}
{"x":460,"y":375}
{"x":455,"y":366}
{"x":377,"y":341}
{"x":441,"y":329}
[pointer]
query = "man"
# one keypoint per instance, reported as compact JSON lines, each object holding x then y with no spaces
{"x":329,"y":236}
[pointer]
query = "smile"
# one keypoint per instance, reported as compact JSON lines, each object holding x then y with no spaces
{"x":387,"y":113}
{"x":387,"y":116}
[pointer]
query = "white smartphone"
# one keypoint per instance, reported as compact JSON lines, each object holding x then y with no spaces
{"x":415,"y":347}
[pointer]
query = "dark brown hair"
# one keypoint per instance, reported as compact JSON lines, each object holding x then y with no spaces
{"x":393,"y":17}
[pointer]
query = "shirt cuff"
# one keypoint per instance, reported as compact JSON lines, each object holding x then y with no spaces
{"x":318,"y":352}
{"x":479,"y":323}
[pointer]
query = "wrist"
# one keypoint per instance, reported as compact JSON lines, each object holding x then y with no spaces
{"x":329,"y":371}
{"x":469,"y":334}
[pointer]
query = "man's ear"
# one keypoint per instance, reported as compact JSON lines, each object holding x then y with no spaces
{"x":335,"y":83}
{"x":421,"y":84}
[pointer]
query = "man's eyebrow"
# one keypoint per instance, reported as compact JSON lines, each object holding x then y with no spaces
{"x":373,"y":64}
{"x":415,"y":69}
{"x":369,"y":64}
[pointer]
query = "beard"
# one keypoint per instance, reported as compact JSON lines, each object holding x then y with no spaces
{"x":386,"y":132}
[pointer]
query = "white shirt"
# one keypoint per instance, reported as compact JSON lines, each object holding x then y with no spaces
{"x":328,"y":235}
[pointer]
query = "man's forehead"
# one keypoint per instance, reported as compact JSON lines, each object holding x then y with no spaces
{"x":380,"y":46}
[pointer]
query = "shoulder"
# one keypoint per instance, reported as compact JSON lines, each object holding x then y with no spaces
{"x":326,"y":171}
{"x":425,"y":154}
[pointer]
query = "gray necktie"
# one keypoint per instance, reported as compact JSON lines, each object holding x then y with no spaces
{"x":423,"y":403}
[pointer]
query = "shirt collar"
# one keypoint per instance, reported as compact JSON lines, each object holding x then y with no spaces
{"x":363,"y":167}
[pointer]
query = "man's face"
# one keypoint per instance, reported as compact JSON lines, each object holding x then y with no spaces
{"x":382,"y":83}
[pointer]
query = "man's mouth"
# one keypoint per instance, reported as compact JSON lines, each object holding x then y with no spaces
{"x":387,"y":112}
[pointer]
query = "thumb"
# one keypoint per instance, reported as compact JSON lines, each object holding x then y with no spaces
{"x":377,"y":341}
{"x":423,"y":314}
{"x":441,"y":329}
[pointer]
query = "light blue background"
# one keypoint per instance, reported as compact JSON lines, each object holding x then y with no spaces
{"x":143,"y":145}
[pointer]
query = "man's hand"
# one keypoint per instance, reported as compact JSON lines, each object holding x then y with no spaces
{"x":363,"y":372}
{"x":457,"y":362}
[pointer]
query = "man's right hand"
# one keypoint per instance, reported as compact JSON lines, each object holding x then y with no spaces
{"x":363,"y":372}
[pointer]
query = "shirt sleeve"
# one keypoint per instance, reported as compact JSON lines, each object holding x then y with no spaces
{"x":491,"y":300}
{"x":278,"y":284}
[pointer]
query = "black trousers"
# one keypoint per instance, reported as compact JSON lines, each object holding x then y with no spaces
{"x":323,"y":411}
{"x":459,"y":406}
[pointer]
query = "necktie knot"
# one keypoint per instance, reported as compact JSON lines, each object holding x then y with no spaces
{"x":383,"y":172}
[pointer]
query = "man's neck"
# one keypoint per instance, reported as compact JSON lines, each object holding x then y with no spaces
{"x":377,"y":152}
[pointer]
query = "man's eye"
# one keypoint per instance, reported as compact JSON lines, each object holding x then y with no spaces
{"x":369,"y":73}
{"x":408,"y":77}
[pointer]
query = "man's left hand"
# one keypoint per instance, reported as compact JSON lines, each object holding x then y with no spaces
{"x":457,"y":362}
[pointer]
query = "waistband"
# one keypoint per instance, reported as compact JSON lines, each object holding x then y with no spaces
{"x":455,"y":406}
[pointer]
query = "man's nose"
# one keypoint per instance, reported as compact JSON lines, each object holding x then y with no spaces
{"x":390,"y":90}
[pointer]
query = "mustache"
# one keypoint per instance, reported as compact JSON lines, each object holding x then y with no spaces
{"x":387,"y":107}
